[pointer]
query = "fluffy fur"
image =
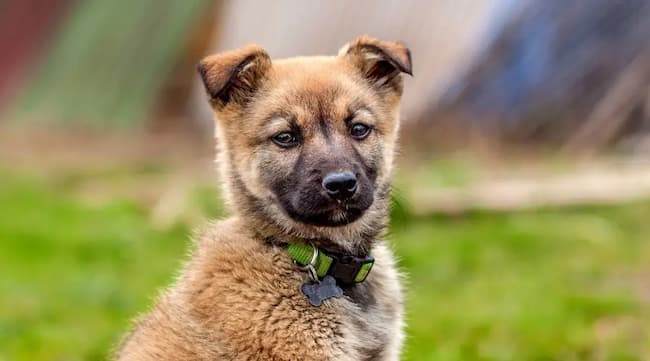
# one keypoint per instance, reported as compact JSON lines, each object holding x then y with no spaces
{"x":239,"y":296}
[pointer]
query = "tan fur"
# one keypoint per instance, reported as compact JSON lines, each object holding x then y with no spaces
{"x":239,"y":296}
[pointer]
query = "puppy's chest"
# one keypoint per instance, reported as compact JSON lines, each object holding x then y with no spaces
{"x":255,"y":308}
{"x":362,"y":321}
{"x":357,"y":326}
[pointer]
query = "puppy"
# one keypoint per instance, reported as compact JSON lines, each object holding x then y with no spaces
{"x":299,"y":271}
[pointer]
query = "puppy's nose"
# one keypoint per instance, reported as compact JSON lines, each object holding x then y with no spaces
{"x":340,"y":185}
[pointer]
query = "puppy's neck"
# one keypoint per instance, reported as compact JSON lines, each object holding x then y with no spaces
{"x":356,"y":238}
{"x":349,"y":239}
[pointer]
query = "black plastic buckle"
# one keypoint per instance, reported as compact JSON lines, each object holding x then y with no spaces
{"x":345,"y":268}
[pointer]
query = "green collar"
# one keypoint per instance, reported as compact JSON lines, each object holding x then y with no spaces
{"x":346,"y":269}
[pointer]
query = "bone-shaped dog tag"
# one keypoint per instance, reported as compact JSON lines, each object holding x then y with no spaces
{"x":318,"y":292}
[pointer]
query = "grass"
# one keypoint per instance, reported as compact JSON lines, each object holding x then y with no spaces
{"x":563,"y":284}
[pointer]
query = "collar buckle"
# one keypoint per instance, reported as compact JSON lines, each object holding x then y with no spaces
{"x":350,"y":269}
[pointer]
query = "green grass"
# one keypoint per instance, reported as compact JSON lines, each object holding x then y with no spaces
{"x":567,"y":284}
{"x":544,"y":285}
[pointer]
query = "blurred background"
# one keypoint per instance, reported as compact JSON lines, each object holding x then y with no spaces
{"x":521,"y":204}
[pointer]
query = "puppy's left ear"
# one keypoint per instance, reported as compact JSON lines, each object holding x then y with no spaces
{"x":379,"y":61}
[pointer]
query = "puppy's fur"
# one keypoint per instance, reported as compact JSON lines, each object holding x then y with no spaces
{"x":239,"y":296}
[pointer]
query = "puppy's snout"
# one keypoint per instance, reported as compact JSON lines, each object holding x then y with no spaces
{"x":341,"y":185}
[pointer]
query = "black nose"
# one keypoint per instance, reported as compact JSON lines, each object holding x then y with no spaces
{"x":341,"y":185}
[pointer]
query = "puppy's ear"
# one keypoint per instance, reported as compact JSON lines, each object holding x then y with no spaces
{"x":234,"y":76}
{"x":379,"y":61}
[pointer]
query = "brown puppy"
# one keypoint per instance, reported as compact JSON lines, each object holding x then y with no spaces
{"x":305,"y":149}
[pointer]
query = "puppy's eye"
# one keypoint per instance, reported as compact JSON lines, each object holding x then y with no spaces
{"x":286,"y":139}
{"x":359,"y":131}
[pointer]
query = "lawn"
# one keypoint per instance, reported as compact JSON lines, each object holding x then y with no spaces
{"x":555,"y":284}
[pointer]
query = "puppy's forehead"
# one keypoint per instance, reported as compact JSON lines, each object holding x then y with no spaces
{"x":313,"y":85}
{"x":297,"y":67}
{"x":318,"y":76}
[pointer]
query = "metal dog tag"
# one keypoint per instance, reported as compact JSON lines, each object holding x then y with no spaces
{"x":317,"y":292}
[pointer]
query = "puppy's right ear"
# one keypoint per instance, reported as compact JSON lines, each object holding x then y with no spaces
{"x":234,"y":76}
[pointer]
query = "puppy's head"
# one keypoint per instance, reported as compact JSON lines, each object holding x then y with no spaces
{"x":307,"y":143}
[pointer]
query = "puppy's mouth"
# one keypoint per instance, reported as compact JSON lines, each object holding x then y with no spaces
{"x":334,"y":214}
